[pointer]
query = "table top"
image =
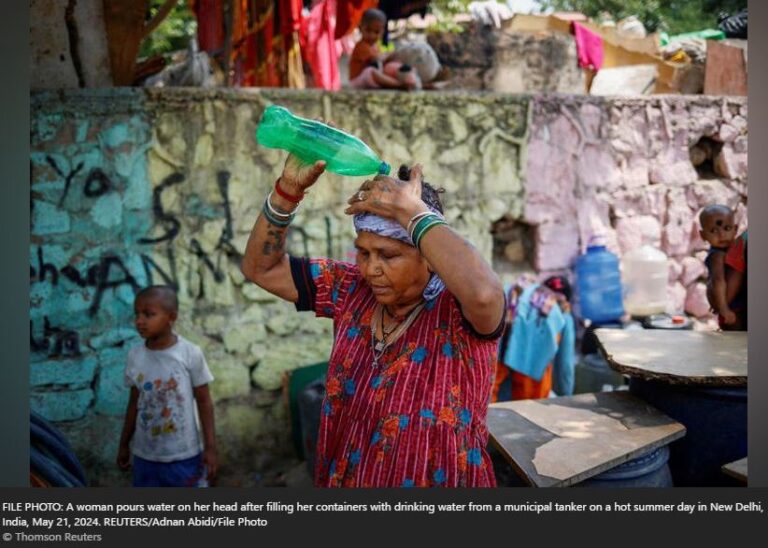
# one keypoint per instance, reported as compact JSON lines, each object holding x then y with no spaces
{"x":737,"y":469}
{"x":557,"y":442}
{"x":712,"y":358}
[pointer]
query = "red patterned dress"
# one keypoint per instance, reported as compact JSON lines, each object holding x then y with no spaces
{"x":418,"y":418}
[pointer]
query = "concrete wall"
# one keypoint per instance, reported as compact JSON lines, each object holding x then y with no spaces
{"x":509,"y":61}
{"x":131,"y":187}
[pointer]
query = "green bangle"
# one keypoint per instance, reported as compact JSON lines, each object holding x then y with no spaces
{"x":420,"y":224}
{"x":430,"y":226}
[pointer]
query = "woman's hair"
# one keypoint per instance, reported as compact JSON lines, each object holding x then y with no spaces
{"x":429,"y":194}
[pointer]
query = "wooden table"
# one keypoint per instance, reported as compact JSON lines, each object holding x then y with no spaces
{"x":558,"y":442}
{"x":737,"y":469}
{"x":677,"y":357}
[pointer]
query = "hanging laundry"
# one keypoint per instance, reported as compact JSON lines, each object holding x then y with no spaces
{"x":320,"y":47}
{"x":537,"y":349}
{"x":589,"y":47}
{"x":349,"y":13}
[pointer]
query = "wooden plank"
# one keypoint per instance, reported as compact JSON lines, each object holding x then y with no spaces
{"x":677,"y":357}
{"x":558,"y":442}
{"x":737,"y":469}
{"x":726,"y":70}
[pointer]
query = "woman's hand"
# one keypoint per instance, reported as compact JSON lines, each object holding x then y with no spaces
{"x":389,"y":198}
{"x":297,"y":176}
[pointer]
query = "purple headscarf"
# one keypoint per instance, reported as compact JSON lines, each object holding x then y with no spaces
{"x":368,"y":222}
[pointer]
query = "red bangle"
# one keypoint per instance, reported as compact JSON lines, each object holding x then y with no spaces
{"x":283,"y":194}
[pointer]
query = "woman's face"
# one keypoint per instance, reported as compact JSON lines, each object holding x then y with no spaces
{"x":396,"y":272}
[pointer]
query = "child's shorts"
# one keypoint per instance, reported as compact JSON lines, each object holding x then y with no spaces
{"x":181,"y":473}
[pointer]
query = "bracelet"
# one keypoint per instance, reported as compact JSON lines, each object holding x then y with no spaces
{"x":427,"y":229}
{"x":416,"y":218}
{"x":277,"y":213}
{"x":283,"y":194}
{"x":422,"y":222}
{"x":271,"y":219}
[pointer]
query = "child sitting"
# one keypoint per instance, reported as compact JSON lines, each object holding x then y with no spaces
{"x":368,"y":69}
{"x":718,"y":227}
{"x":164,"y":375}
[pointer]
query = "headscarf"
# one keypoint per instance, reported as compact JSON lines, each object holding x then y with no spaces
{"x":368,"y":222}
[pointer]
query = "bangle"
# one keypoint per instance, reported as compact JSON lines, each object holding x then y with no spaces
{"x":416,"y":218}
{"x":284,"y":195}
{"x":266,"y":210}
{"x":277,"y":213}
{"x":421,"y":223}
{"x":427,"y":229}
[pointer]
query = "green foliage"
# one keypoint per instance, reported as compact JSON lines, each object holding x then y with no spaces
{"x":444,"y":10}
{"x":675,"y":16}
{"x":173,"y":33}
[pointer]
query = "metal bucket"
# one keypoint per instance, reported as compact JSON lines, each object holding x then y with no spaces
{"x":716,"y":428}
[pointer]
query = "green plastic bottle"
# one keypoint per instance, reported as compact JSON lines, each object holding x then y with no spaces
{"x":311,"y":141}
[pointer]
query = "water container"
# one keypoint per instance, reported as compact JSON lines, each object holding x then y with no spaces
{"x":715,"y":420}
{"x":311,"y":141}
{"x":647,"y":470}
{"x":645,"y":276}
{"x":599,"y":283}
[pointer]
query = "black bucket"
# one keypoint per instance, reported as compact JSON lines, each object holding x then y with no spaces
{"x":716,"y":428}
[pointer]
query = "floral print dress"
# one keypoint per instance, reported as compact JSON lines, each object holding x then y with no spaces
{"x":418,"y":418}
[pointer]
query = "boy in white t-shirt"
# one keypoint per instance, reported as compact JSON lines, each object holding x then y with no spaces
{"x":165,"y":375}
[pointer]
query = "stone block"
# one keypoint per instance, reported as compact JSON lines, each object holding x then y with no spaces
{"x":114,"y":337}
{"x":705,"y":192}
{"x":731,"y":164}
{"x":693,"y":270}
{"x":287,"y":355}
{"x":237,"y":339}
{"x":111,"y":392}
{"x":675,"y":270}
{"x":557,"y":245}
{"x":696,"y":302}
{"x":597,"y":168}
{"x":679,"y":230}
{"x":63,"y":371}
{"x":634,"y":232}
{"x":67,"y":405}
{"x":671,"y":171}
{"x":231,"y":377}
{"x":676,"y":295}
{"x":48,"y":219}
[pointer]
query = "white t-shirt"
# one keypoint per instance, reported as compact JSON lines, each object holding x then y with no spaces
{"x":166,"y":423}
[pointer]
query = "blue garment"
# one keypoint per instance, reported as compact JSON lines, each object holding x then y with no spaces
{"x":533,"y":343}
{"x":181,"y":473}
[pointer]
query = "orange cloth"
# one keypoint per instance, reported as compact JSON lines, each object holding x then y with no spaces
{"x":523,"y":386}
{"x":349,"y":13}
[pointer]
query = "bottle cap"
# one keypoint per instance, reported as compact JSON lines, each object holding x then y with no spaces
{"x":384,"y":168}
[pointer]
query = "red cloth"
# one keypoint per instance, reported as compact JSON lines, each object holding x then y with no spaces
{"x":736,"y":256}
{"x":418,"y":418}
{"x":589,"y":47}
{"x":210,"y":24}
{"x":349,"y":13}
{"x":319,"y":45}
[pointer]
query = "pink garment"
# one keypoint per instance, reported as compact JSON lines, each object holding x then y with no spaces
{"x":364,"y":80}
{"x":589,"y":47}
{"x":322,"y":52}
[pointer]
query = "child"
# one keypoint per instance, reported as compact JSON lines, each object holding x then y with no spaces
{"x":164,"y":374}
{"x":719,"y":229}
{"x":366,"y":62}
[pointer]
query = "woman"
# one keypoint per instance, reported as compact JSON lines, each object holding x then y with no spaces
{"x":415,"y":326}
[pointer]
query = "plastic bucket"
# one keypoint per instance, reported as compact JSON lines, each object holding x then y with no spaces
{"x":647,"y":470}
{"x":716,"y":428}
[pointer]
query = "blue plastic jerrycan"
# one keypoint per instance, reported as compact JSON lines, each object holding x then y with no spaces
{"x":598,"y":281}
